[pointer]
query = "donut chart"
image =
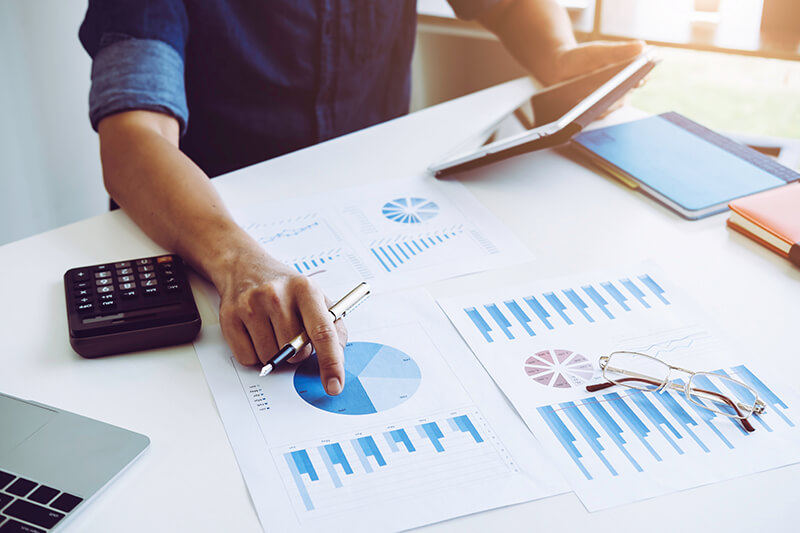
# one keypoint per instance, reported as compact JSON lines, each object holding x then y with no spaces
{"x":411,"y":210}
{"x":560,"y":369}
{"x":377,"y":377}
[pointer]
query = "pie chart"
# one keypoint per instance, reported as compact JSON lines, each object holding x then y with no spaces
{"x":410,"y":210}
{"x":561,"y":369}
{"x":377,"y":377}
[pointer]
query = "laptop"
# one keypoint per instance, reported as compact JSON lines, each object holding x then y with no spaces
{"x":52,"y":462}
{"x":552,"y":116}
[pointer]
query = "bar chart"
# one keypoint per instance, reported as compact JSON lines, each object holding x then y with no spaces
{"x":525,"y":315}
{"x":396,"y":252}
{"x":353,"y":470}
{"x":624,"y":431}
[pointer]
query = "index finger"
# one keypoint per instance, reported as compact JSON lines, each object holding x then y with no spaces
{"x":322,"y":332}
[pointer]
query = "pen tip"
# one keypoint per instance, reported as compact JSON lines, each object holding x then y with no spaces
{"x":266,"y":370}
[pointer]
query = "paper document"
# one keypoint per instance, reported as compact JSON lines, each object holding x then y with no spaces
{"x":392,"y":235}
{"x":541,"y":343}
{"x":420,"y":433}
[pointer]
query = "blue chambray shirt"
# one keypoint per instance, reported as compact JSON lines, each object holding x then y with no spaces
{"x":252,"y":79}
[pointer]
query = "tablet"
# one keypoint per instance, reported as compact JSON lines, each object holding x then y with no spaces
{"x":550,"y":117}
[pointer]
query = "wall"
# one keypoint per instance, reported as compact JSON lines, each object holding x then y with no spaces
{"x":49,"y":167}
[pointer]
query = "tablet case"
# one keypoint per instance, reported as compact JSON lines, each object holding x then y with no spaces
{"x":688,"y":167}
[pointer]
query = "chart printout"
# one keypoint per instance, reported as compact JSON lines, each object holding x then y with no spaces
{"x":395,"y":234}
{"x":414,"y":438}
{"x":541,"y":344}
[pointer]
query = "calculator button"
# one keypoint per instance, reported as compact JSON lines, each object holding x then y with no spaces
{"x":107,"y":304}
{"x":168,"y":272}
{"x":124,"y":271}
{"x":150,"y":291}
{"x":140,"y":262}
{"x":103,"y":281}
{"x":80,"y":275}
{"x":83,"y":300}
{"x":164,"y":259}
{"x":145,"y":268}
{"x":85,"y":308}
{"x":172,"y":287}
{"x":81,"y":285}
{"x":103,"y":274}
{"x":147,"y":275}
{"x":127,"y":286}
{"x":83,"y":292}
{"x":105,"y":289}
{"x":126,"y":279}
{"x":127,"y":295}
{"x":122,"y":264}
{"x":148,"y":283}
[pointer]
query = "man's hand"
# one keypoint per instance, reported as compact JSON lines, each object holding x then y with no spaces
{"x":538,"y":33}
{"x":573,"y":61}
{"x":264,"y":304}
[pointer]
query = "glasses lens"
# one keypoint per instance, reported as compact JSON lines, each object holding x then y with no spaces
{"x":722,"y":394}
{"x":636,"y":370}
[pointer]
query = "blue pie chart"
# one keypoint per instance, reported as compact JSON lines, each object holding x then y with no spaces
{"x":377,"y":377}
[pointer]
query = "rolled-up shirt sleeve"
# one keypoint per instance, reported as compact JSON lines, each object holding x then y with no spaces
{"x":471,"y":9}
{"x":138,"y":50}
{"x":144,"y":74}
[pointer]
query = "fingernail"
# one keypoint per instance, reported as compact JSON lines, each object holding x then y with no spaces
{"x":334,"y":386}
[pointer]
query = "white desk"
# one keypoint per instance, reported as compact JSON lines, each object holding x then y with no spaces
{"x":572,"y":219}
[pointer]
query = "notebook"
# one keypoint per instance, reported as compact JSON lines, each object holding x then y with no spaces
{"x":771,"y":218}
{"x":687,"y":167}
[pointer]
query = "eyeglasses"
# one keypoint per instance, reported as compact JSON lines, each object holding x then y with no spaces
{"x":713,"y":391}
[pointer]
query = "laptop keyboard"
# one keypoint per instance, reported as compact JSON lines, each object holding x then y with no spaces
{"x":30,"y":507}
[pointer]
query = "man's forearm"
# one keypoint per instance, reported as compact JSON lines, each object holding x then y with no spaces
{"x":164,"y":192}
{"x":533,"y":31}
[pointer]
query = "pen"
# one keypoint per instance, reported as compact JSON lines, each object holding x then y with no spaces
{"x":349,"y":301}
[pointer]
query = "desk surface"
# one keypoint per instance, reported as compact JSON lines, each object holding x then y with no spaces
{"x":571,"y":218}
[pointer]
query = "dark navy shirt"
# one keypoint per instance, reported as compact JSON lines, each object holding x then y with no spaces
{"x":252,"y":79}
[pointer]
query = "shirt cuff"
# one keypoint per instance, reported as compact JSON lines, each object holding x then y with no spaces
{"x":471,"y":9}
{"x":142,"y":74}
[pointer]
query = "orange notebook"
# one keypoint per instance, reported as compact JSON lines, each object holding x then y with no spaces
{"x":771,"y":218}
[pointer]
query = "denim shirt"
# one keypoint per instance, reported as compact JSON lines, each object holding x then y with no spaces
{"x":248,"y":80}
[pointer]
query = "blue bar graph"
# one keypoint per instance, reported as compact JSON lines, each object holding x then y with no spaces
{"x":594,"y":306}
{"x":480,"y":323}
{"x":652,"y":427}
{"x":654,"y":287}
{"x":339,"y":466}
{"x":463,"y":423}
{"x":540,"y":311}
{"x":433,"y":433}
{"x":299,"y":465}
{"x":500,"y":319}
{"x":399,"y":436}
{"x":520,"y":315}
{"x":304,"y":266}
{"x":393,"y":256}
{"x":599,"y":301}
{"x":369,"y":449}
{"x":636,"y":291}
{"x":616,"y":294}
{"x":558,"y":306}
{"x":578,"y":303}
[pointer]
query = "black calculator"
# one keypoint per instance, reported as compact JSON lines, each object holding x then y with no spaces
{"x":130,"y":305}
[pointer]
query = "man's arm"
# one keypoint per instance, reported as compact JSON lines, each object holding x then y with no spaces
{"x":538,"y":33}
{"x":264,"y":304}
